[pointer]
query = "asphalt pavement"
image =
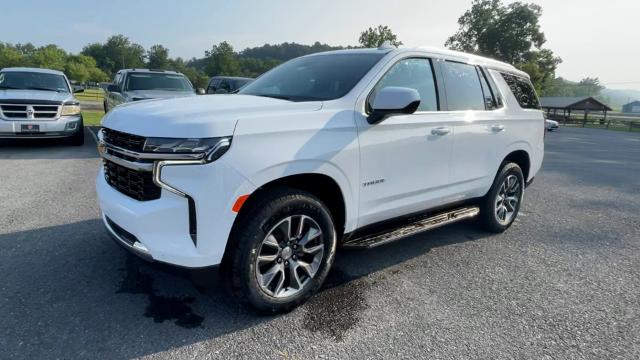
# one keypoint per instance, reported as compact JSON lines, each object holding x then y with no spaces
{"x":563,"y":282}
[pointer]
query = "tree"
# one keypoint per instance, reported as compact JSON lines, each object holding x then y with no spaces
{"x":510,"y":33}
{"x":83,"y":68}
{"x":374,"y":37}
{"x":222,"y":60}
{"x":158,"y":57}
{"x":49,"y":57}
{"x":10,"y":56}
{"x":115,"y":54}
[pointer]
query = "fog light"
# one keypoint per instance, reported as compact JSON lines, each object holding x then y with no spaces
{"x":71,"y":126}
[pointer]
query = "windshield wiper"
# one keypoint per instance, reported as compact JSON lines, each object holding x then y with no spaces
{"x":43,"y":89}
{"x":282,"y":97}
{"x":9,"y":87}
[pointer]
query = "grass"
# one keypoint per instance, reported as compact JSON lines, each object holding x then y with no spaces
{"x":92,"y":117}
{"x":91,"y":95}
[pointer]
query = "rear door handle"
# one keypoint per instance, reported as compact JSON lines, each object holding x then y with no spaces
{"x":497,"y":128}
{"x":440,"y":131}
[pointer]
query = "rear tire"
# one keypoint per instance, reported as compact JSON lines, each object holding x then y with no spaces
{"x":271,"y":270}
{"x":500,"y":206}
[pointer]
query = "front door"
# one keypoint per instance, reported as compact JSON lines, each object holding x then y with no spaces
{"x":404,"y":160}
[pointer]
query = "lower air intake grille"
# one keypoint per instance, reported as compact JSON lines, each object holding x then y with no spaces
{"x":135,"y":184}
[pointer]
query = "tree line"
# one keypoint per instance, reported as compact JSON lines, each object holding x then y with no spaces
{"x":509,"y":33}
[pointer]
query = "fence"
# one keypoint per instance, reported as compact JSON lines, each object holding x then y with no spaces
{"x":614,"y":121}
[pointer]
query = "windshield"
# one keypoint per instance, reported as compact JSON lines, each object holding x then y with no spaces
{"x":319,"y":77}
{"x":151,"y":81}
{"x":24,"y":80}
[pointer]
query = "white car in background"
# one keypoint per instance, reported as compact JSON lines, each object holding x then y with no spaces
{"x":351,"y":148}
{"x":551,"y":124}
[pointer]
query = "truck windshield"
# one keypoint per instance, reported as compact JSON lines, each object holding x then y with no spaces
{"x":24,"y":80}
{"x":151,"y":81}
{"x":312,"y":78}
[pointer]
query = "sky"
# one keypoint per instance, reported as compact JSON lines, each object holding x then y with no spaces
{"x":593,"y":37}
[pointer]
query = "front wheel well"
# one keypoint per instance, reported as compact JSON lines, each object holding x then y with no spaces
{"x":521,"y":158}
{"x":321,"y":186}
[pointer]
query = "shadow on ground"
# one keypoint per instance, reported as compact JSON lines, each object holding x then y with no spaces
{"x":31,"y":149}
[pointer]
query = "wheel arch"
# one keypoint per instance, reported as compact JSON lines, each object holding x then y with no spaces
{"x":522,"y":158}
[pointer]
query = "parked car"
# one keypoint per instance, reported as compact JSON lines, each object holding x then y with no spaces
{"x":551,"y":124}
{"x":38,"y":103}
{"x":351,"y":148}
{"x":226,"y":84}
{"x":143,"y":84}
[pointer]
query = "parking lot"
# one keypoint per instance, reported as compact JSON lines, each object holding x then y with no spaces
{"x":563,"y":282}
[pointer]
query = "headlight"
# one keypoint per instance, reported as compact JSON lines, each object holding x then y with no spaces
{"x":213,"y":148}
{"x":68,"y":110}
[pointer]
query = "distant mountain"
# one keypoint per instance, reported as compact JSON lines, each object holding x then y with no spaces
{"x":617,"y":97}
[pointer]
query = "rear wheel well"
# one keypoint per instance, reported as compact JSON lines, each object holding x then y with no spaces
{"x":521,"y":158}
{"x":322,"y":186}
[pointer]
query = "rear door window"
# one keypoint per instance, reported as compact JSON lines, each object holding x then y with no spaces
{"x":463,"y":87}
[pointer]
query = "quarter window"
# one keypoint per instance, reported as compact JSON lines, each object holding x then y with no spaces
{"x":523,"y":90}
{"x":489,"y":97}
{"x":414,"y":73}
{"x":462,"y":84}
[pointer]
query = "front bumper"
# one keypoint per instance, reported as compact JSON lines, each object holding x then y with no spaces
{"x":159,"y":230}
{"x":65,"y":126}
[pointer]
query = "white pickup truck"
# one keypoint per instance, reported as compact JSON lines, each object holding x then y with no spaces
{"x":352,"y":148}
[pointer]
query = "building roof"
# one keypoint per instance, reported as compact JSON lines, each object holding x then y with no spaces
{"x":574,"y":103}
{"x":637,"y":102}
{"x":36,"y":70}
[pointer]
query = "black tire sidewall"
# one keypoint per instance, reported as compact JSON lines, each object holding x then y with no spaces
{"x":487,"y":208}
{"x":255,"y":230}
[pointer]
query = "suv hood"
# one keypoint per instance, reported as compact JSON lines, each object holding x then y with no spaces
{"x":198,"y":116}
{"x":34,"y":96}
{"x":158,"y":94}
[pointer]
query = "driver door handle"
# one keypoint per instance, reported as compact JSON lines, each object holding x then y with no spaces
{"x":440,"y":131}
{"x":497,"y":128}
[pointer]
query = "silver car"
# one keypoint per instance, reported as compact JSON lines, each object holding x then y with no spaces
{"x":38,"y":103}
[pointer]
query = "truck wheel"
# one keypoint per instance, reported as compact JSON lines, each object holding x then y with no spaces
{"x":281,"y":250}
{"x":78,"y":138}
{"x":499,"y":208}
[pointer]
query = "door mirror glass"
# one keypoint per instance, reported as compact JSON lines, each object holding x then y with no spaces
{"x":393,"y":100}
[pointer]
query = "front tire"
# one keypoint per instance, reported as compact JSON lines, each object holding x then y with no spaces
{"x":78,"y":138}
{"x":500,"y":207}
{"x":281,"y":250}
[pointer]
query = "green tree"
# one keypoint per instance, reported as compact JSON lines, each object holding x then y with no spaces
{"x":374,"y":37}
{"x":158,"y":57}
{"x":118,"y":52}
{"x":83,"y":68}
{"x":510,"y":33}
{"x":10,"y":56}
{"x":222,"y":60}
{"x":49,"y":57}
{"x":197,"y":77}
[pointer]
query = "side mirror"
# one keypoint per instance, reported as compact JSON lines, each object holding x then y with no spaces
{"x":393,"y":100}
{"x":76,"y":91}
{"x":113,"y":88}
{"x":200,"y":91}
{"x":222,"y":91}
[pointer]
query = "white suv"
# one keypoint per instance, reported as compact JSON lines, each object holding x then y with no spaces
{"x":350,"y":148}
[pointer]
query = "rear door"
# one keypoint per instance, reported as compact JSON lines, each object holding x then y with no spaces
{"x":404,"y":160}
{"x":478,"y":124}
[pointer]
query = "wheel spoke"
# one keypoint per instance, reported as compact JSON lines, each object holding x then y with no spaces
{"x":311,"y":234}
{"x":278,"y":287}
{"x":271,"y":241}
{"x":310,"y":269}
{"x":300,"y":227}
{"x":268,"y":276}
{"x":285,"y":227}
{"x":263,"y":259}
{"x":294,"y":278}
{"x":314,"y":249}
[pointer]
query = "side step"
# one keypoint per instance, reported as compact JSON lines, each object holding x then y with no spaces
{"x":413,"y":228}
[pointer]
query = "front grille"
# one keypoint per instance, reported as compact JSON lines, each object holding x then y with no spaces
{"x":123,"y":140}
{"x":135,"y":184}
{"x":29,"y":112}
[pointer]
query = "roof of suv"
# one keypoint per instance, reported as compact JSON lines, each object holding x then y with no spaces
{"x":35,"y":70}
{"x":158,"y":71}
{"x":454,"y":55}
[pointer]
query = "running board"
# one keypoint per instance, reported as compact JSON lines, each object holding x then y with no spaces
{"x":416,"y":227}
